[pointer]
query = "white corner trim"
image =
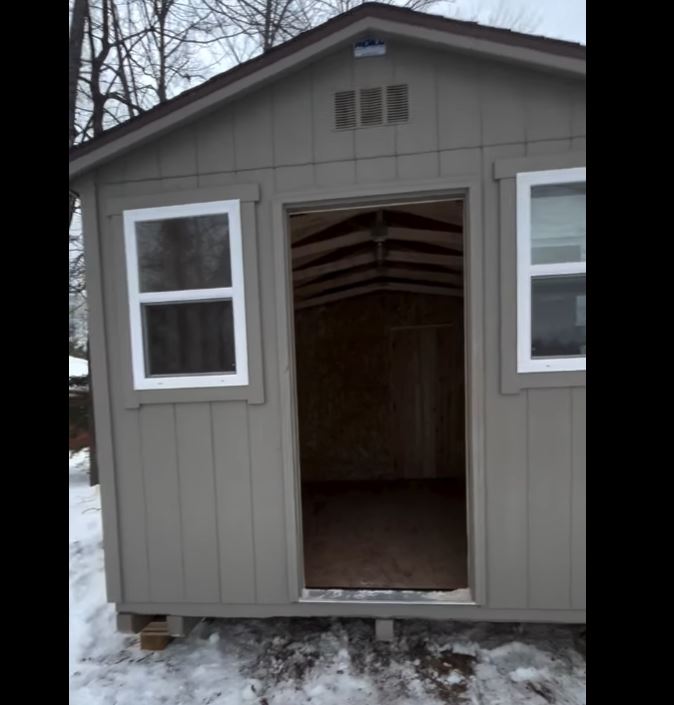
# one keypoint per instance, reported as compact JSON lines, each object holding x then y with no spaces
{"x":234,"y":293}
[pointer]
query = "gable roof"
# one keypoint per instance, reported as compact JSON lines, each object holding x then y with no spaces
{"x":552,"y":54}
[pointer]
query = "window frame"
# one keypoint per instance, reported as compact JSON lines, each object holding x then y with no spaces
{"x":526,"y":271}
{"x":234,"y":293}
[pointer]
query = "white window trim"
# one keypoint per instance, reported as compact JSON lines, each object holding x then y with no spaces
{"x":526,"y":270}
{"x":234,"y":293}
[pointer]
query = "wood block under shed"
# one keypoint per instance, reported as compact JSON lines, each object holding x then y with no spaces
{"x":155,"y":636}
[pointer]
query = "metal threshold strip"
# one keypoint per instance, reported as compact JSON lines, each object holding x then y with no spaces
{"x":406,"y":597}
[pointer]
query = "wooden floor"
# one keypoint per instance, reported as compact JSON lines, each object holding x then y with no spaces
{"x":386,"y":535}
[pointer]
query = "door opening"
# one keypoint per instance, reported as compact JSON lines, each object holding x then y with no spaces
{"x":379,"y":347}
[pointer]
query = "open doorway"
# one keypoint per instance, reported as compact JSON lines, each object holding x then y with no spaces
{"x":379,"y":346}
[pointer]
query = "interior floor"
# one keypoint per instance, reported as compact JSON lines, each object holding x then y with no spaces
{"x":407,"y":535}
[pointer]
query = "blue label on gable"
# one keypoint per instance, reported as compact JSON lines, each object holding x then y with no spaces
{"x":369,"y":47}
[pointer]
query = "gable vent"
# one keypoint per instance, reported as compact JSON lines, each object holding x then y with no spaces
{"x":397,"y":103}
{"x":345,"y":110}
{"x":369,"y":107}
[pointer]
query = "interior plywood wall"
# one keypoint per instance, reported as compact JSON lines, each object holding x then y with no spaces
{"x":381,"y":387}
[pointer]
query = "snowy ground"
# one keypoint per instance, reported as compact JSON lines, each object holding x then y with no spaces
{"x":302,"y":662}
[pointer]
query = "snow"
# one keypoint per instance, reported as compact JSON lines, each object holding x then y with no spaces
{"x":302,"y":661}
{"x":78,"y":367}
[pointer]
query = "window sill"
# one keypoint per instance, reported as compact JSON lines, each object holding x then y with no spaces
{"x":175,"y":383}
{"x":552,"y":365}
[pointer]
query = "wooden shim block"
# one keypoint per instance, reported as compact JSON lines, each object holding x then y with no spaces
{"x":155,"y":636}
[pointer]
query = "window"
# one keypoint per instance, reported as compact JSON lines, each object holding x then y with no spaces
{"x":551,"y":270}
{"x":186,"y":296}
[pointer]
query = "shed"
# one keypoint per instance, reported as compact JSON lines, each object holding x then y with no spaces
{"x":337,"y":330}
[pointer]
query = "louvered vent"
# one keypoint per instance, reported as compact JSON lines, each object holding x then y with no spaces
{"x":371,"y":107}
{"x":345,"y":110}
{"x":397,"y":103}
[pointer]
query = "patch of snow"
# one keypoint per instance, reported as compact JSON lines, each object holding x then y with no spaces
{"x":465,"y":648}
{"x":300,"y":662}
{"x":520,"y":675}
{"x":78,"y":367}
{"x":455,"y":677}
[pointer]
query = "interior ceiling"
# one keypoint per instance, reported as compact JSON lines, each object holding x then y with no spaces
{"x":416,"y":247}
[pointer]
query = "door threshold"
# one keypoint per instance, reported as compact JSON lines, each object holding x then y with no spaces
{"x":406,"y":597}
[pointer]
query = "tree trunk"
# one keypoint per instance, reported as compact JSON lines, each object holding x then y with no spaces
{"x":75,"y":62}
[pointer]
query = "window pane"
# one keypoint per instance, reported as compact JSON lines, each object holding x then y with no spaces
{"x":189,"y":338}
{"x":183,"y":253}
{"x":558,"y":223}
{"x":558,"y":316}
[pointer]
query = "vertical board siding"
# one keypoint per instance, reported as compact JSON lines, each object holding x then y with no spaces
{"x":291,"y":178}
{"x":578,"y":128}
{"x":198,"y":504}
{"x":503,"y":105}
{"x":461,"y":162}
{"x":548,"y":108}
{"x":292,"y":121}
{"x":178,"y":153}
{"x":506,"y":500}
{"x":548,"y":147}
{"x":549,"y":447}
{"x":253,"y":139}
{"x":235,"y":502}
{"x":215,"y":143}
{"x":418,"y":166}
{"x":375,"y":170}
{"x":420,"y":134}
{"x":578,"y":494}
{"x":162,"y":502}
{"x":131,"y":505}
{"x":334,"y":73}
{"x":200,"y":486}
{"x":458,"y":102}
{"x":335,"y":173}
{"x":142,"y":163}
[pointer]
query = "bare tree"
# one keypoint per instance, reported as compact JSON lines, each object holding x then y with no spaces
{"x":78,"y":17}
{"x":259,"y":25}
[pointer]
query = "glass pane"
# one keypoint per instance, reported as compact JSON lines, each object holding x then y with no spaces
{"x":558,"y":223}
{"x":189,"y":338}
{"x":558,"y":316}
{"x":183,"y":253}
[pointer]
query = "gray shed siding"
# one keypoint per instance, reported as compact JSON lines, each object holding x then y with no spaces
{"x":196,"y":486}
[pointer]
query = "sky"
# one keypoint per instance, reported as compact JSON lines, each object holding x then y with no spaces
{"x":561,"y":19}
